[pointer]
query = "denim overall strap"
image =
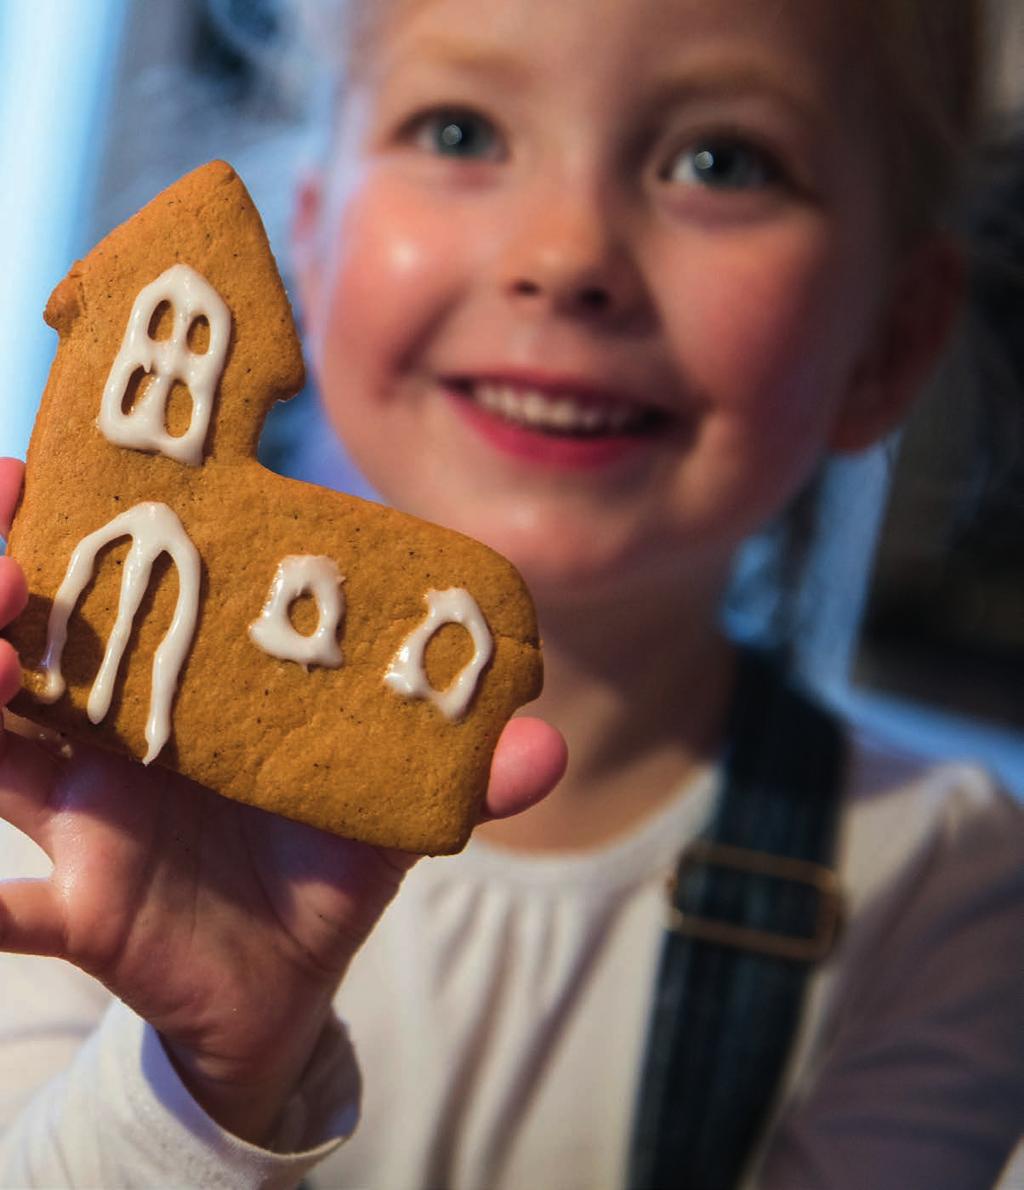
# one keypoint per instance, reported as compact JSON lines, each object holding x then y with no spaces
{"x":753,"y":908}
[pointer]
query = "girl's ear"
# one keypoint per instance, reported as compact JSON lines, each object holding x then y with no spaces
{"x":306,"y":243}
{"x":922,"y":310}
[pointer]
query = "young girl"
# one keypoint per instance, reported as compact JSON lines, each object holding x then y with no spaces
{"x":600,"y":283}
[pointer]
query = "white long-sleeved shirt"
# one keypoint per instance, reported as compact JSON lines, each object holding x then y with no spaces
{"x":498,"y":1015}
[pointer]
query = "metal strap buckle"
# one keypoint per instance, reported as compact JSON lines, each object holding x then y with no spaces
{"x":786,"y":946}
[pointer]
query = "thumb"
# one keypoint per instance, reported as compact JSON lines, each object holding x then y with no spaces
{"x":528,"y":763}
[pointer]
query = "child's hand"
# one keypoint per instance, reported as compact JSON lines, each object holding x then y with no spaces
{"x":226,"y":927}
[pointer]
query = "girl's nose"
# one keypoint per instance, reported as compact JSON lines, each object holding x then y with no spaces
{"x":573,"y":259}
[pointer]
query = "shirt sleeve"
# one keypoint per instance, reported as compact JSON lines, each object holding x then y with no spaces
{"x":920,"y":1080}
{"x":88,"y":1096}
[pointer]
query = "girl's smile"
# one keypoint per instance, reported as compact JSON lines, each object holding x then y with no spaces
{"x":604,"y":320}
{"x":557,"y":420}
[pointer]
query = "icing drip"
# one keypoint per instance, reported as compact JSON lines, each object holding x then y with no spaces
{"x":274,"y":633}
{"x":407,"y":673}
{"x":154,"y":530}
{"x":167,"y":360}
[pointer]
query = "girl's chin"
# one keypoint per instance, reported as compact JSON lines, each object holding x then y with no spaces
{"x":561,"y":566}
{"x":565,"y":555}
{"x":592,"y":562}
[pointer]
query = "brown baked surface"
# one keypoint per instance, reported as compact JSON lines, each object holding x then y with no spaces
{"x":332,"y":747}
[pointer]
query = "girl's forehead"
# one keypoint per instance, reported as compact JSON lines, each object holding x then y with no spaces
{"x":582,"y":38}
{"x":602,"y":19}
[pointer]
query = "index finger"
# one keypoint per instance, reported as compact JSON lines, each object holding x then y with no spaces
{"x":12,"y":475}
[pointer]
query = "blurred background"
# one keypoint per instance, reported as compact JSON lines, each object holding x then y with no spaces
{"x":914,"y":614}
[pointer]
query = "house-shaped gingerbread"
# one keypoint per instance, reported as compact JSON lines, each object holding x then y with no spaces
{"x":291,"y":647}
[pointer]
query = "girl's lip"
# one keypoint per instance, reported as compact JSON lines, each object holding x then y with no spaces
{"x":556,"y":451}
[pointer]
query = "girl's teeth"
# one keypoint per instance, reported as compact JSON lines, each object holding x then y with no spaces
{"x":533,"y":408}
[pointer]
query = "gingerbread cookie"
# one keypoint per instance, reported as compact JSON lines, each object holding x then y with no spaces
{"x":291,"y":647}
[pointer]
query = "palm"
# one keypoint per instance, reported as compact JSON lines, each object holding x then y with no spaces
{"x":186,"y":905}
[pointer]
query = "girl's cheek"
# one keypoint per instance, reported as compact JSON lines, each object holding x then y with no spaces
{"x":389,"y":270}
{"x":778,"y":326}
{"x":389,"y":236}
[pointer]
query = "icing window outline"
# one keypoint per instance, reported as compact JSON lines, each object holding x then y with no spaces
{"x":407,"y":673}
{"x":154,"y":529}
{"x":143,"y":427}
{"x":273,"y":632}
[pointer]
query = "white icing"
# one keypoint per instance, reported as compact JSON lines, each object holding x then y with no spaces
{"x":407,"y":673}
{"x":154,"y":530}
{"x":273,"y":631}
{"x":144,"y":426}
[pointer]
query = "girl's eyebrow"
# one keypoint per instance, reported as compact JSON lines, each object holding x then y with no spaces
{"x":736,"y":79}
{"x":467,"y":57}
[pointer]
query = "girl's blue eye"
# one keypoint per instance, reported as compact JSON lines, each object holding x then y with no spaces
{"x":723,"y":164}
{"x":458,"y":134}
